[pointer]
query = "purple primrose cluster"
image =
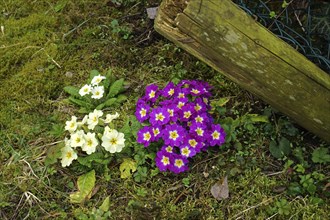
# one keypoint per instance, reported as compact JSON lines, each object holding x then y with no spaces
{"x":178,"y":115}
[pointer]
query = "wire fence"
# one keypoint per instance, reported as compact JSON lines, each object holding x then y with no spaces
{"x":304,"y":24}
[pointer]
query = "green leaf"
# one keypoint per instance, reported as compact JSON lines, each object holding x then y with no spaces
{"x":53,"y":153}
{"x":285,"y":146}
{"x":272,"y":14}
{"x":85,"y":184}
{"x":257,"y":118}
{"x":121,"y":98}
{"x":321,"y":155}
{"x":106,"y":204}
{"x":127,"y":168}
{"x":100,"y":106}
{"x":115,"y":88}
{"x":280,"y":150}
{"x":87,"y":161}
{"x":275,"y":150}
{"x":284,"y":4}
{"x":80,"y":103}
{"x":92,"y":74}
{"x":110,"y":102}
{"x":74,"y":91}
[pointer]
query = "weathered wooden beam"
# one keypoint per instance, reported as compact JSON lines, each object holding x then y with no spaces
{"x":222,"y":35}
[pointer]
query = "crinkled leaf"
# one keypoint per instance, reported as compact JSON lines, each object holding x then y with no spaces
{"x":127,"y":168}
{"x":92,"y":74}
{"x":85,"y":184}
{"x":84,"y":110}
{"x":80,"y":103}
{"x":321,"y":155}
{"x":106,"y":204}
{"x":53,"y":153}
{"x":110,"y":102}
{"x":115,"y":88}
{"x":221,"y":102}
{"x":87,"y":161}
{"x":220,"y":190}
{"x":100,"y":106}
{"x":74,"y":91}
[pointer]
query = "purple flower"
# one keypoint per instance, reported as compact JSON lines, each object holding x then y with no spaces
{"x":169,"y":90}
{"x":198,"y":130}
{"x":151,"y":93}
{"x":193,"y":143}
{"x":199,"y":106}
{"x":182,"y":93}
{"x":201,"y":119}
{"x":216,"y":135}
{"x":178,"y":164}
{"x":163,"y":160}
{"x":141,"y":112}
{"x":159,"y":116}
{"x":187,"y":151}
{"x":145,"y":136}
{"x":173,"y":135}
{"x":186,"y":112}
{"x":168,"y":148}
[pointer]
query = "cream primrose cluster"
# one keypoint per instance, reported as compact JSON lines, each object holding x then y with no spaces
{"x":84,"y":136}
{"x":178,"y":115}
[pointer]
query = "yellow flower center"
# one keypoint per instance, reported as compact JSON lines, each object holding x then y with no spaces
{"x":143,"y":112}
{"x":68,"y":155}
{"x":78,"y":139}
{"x":193,"y":143}
{"x":197,"y":107}
{"x":178,"y":163}
{"x":152,"y":94}
{"x":174,"y":135}
{"x":72,"y":124}
{"x":170,"y":111}
{"x":199,"y":131}
{"x":89,"y":143}
{"x":146,"y":136}
{"x":165,"y":160}
{"x":215,"y":135}
{"x":169,"y":149}
{"x":185,"y":152}
{"x":187,"y":114}
{"x":180,"y":104}
{"x":156,"y":131}
{"x":113,"y":141}
{"x":171,"y":92}
{"x":160,"y":117}
{"x":97,"y":93}
{"x":181,"y":95}
{"x":199,"y":119}
{"x":195,"y":91}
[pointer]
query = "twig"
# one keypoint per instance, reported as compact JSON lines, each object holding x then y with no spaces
{"x":72,"y":30}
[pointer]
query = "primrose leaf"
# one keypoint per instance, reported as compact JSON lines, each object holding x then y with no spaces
{"x":285,"y":146}
{"x":110,"y":102}
{"x":85,"y":184}
{"x":321,"y":155}
{"x":87,"y":161}
{"x":80,"y":103}
{"x":53,"y":153}
{"x":127,"y":168}
{"x":92,"y":74}
{"x":115,"y":88}
{"x":74,"y":91}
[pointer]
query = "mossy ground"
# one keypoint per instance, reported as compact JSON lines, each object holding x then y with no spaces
{"x":46,"y":45}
